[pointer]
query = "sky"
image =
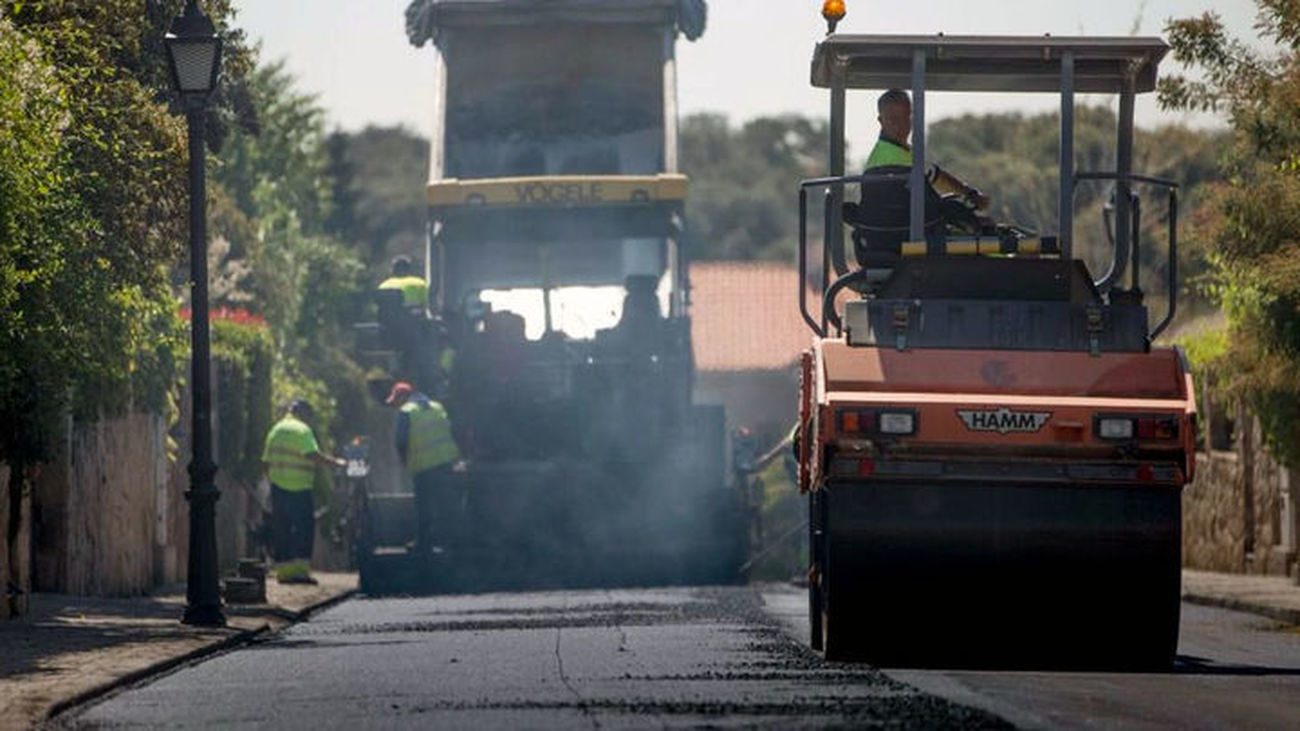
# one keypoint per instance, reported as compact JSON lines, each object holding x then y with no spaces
{"x":752,"y":60}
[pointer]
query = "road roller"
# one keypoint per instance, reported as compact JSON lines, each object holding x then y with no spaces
{"x":992,"y":443}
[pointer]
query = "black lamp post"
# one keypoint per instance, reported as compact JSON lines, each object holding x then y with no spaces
{"x":194,"y":54}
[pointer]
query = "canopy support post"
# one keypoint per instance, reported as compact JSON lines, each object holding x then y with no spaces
{"x":918,"y":146}
{"x":1066,"y":232}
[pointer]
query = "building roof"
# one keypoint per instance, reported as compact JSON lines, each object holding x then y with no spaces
{"x":745,"y":316}
{"x":989,"y":63}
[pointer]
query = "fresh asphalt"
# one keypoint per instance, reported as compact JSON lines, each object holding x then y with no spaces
{"x":730,"y":657}
{"x":616,"y":659}
{"x":1234,"y":671}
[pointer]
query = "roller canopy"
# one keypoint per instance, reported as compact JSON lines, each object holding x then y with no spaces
{"x":989,"y":63}
{"x":425,"y":19}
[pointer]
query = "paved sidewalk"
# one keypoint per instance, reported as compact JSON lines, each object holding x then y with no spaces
{"x":1271,"y":596}
{"x":69,"y":647}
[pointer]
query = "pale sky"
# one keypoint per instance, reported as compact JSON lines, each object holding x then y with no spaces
{"x":752,"y":60}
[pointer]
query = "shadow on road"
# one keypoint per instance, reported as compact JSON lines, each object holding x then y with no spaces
{"x":1191,"y":665}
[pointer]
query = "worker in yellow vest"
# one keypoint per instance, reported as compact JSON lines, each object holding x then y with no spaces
{"x":289,"y":461}
{"x":415,"y":291}
{"x":428,"y":450}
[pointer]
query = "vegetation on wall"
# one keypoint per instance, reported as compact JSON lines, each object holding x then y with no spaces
{"x":243,"y":353}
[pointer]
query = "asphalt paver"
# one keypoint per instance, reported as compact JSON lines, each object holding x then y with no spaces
{"x":605,"y":659}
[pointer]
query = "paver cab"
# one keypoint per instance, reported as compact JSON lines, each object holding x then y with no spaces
{"x":992,"y":446}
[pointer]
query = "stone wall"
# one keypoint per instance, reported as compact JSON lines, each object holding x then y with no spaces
{"x":1239,"y":514}
{"x":1214,"y":525}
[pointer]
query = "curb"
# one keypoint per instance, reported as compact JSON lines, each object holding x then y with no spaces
{"x":306,"y":612}
{"x":158,"y":668}
{"x":202,"y":653}
{"x":1281,"y":614}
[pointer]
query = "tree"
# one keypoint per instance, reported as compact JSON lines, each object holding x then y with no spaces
{"x":273,"y":207}
{"x":1249,"y":229}
{"x":93,"y":213}
{"x":743,"y":180}
{"x":1013,"y":158}
{"x":743,"y":183}
{"x":380,"y":208}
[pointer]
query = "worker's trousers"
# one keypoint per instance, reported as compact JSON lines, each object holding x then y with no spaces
{"x":293,"y":524}
{"x":438,"y":507}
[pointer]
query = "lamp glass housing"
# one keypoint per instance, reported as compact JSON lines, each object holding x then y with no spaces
{"x":194,"y":63}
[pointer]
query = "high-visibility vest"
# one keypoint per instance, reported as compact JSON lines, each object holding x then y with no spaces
{"x":289,"y":447}
{"x":429,"y":442}
{"x":889,"y":153}
{"x":415,"y":291}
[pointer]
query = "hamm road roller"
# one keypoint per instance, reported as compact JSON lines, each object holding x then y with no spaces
{"x":992,"y":446}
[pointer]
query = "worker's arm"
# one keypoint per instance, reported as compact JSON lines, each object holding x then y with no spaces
{"x":946,"y":183}
{"x":327,"y":461}
{"x":313,"y":452}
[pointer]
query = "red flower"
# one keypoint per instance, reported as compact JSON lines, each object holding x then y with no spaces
{"x":237,"y":315}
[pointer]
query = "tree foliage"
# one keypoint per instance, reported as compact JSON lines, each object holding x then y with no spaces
{"x":378,"y":179}
{"x":743,"y":179}
{"x":1249,"y":228}
{"x":272,"y":211}
{"x":1014,"y":159}
{"x":743,"y":183}
{"x":91,"y":214}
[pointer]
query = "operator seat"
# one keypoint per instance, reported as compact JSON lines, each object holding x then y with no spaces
{"x":882,"y":220}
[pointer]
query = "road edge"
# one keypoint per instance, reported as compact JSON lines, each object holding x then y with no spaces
{"x":1280,"y":614}
{"x":142,"y":675}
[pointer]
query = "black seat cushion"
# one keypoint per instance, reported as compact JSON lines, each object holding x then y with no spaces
{"x":881,"y":221}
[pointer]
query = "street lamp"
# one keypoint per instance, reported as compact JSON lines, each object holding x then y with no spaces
{"x":194,"y":54}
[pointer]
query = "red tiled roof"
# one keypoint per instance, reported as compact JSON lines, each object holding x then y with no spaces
{"x":745,"y":316}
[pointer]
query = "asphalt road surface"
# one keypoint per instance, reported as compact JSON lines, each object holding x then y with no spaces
{"x":670,"y":658}
{"x":1234,"y":671}
{"x":618,"y":659}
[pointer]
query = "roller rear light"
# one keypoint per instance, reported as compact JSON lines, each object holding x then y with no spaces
{"x":1164,"y":427}
{"x":898,"y":423}
{"x":870,"y":422}
{"x":1115,"y":428}
{"x":1129,"y":427}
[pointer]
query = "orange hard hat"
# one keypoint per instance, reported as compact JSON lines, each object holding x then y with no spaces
{"x":400,"y":391}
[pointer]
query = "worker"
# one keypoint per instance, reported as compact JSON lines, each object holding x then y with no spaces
{"x":289,"y":461}
{"x":415,"y":291}
{"x":894,"y":108}
{"x":428,"y":451}
{"x":895,"y":116}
